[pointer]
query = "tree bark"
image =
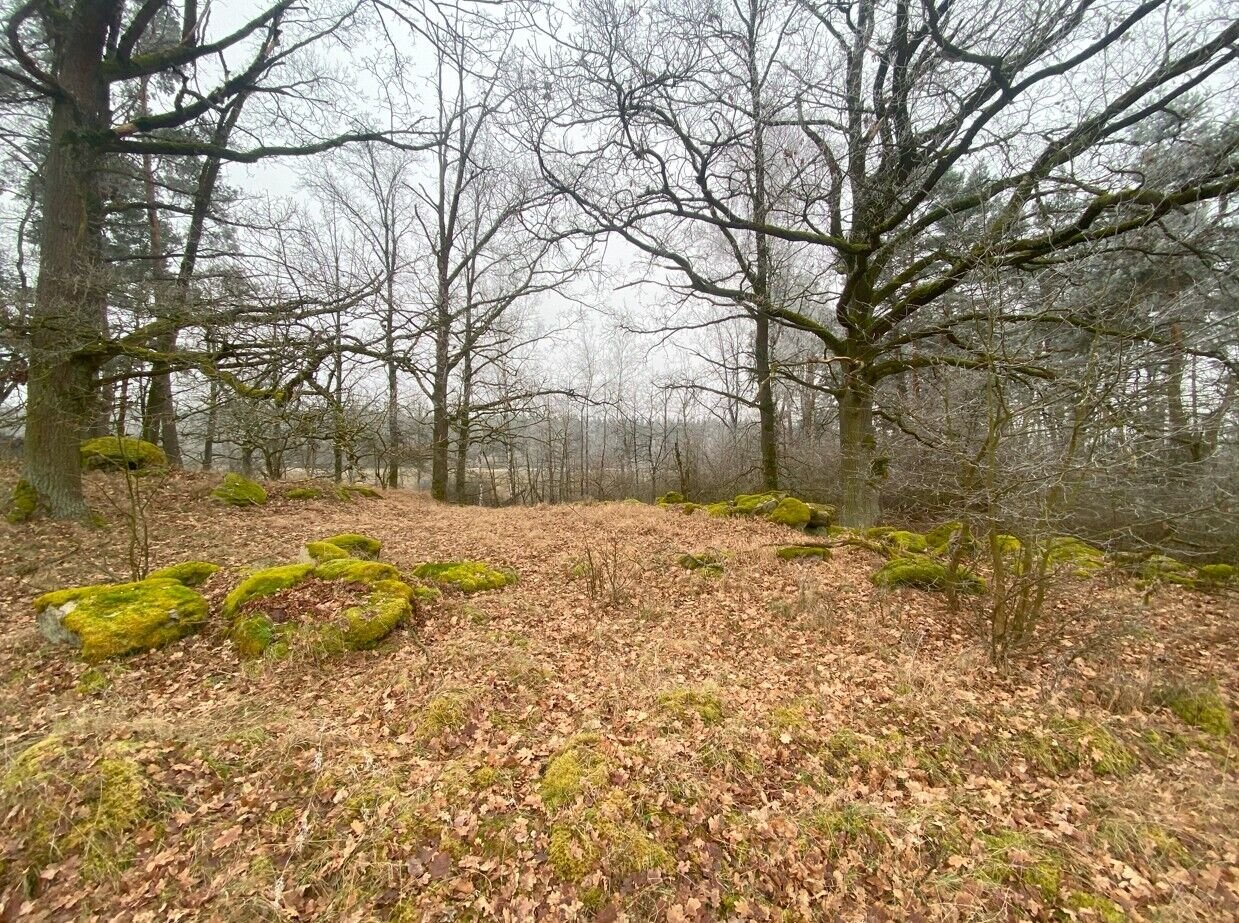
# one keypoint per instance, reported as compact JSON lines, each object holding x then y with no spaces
{"x":70,"y":310}
{"x":861,"y":471}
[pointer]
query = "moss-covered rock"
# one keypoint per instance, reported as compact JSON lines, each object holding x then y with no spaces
{"x":1216,"y":574}
{"x":389,"y":602}
{"x":466,"y":576}
{"x":238,"y":490}
{"x":821,"y":515}
{"x":924,"y":573}
{"x":1161,"y":568}
{"x":671,"y":498}
{"x":116,"y":453}
{"x":363,"y":627}
{"x":356,"y":571}
{"x":803,"y":552}
{"x":265,"y":583}
{"x":121,"y":618}
{"x":349,"y":491}
{"x":23,"y":502}
{"x":357,"y":546}
{"x":253,"y":634}
{"x":944,"y":538}
{"x":755,"y":504}
{"x":791,"y":512}
{"x":898,"y":540}
{"x":708,"y":562}
{"x":306,"y":493}
{"x":323,"y":551}
{"x":1078,"y":557}
{"x":189,"y":573}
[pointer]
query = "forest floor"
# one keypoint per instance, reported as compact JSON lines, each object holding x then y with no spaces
{"x":614,"y":737}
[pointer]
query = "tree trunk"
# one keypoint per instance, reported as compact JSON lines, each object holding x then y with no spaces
{"x":765,"y":405}
{"x":861,"y":471}
{"x":440,"y":428}
{"x":70,"y":309}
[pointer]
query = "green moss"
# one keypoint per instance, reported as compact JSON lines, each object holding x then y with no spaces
{"x":1162,"y":568}
{"x":324,"y":551}
{"x":102,"y":834}
{"x":92,"y":681}
{"x":618,"y":848}
{"x":361,"y":490}
{"x":942,"y":538}
{"x":1096,"y":907}
{"x":238,"y":490}
{"x":265,"y":583}
{"x":1200,"y":707}
{"x":1216,"y":573}
{"x":69,"y":808}
{"x":671,"y":498}
{"x":1069,"y":744}
{"x":355,"y":571}
{"x":855,"y":826}
{"x":252,"y":635}
{"x":189,"y":573}
{"x":369,"y":624}
{"x":1012,"y":857}
{"x":122,"y":618}
{"x":684,"y":703}
{"x":924,"y":573}
{"x":466,"y":576}
{"x":755,"y":504}
{"x":115,"y":453}
{"x":357,"y":546}
{"x":792,"y":513}
{"x":707,"y":562}
{"x":23,"y":502}
{"x":821,"y":515}
{"x":1077,"y":557}
{"x":898,"y":539}
{"x":800,"y":552}
{"x":570,"y":852}
{"x":446,"y":712}
{"x":305,"y":493}
{"x":575,"y":770}
{"x":719,"y":509}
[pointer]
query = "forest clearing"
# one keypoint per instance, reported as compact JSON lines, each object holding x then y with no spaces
{"x":619,"y":461}
{"x":613,"y":736}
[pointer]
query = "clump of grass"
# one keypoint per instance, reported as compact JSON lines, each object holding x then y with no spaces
{"x":575,"y":770}
{"x":443,"y":714}
{"x":1095,"y":907}
{"x":1013,"y":857}
{"x":1202,"y":708}
{"x":60,"y":803}
{"x":1070,"y":744}
{"x":683,"y":704}
{"x":854,"y":827}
